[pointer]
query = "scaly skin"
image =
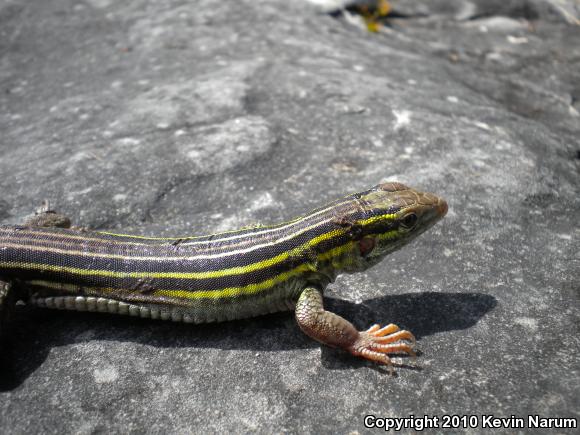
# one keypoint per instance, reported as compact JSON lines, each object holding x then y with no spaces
{"x":232,"y":275}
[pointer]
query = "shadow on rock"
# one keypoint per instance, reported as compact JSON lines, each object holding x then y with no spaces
{"x":423,"y":314}
{"x":33,"y":333}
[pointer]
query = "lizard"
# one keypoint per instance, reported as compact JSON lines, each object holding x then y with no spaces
{"x":225,"y":276}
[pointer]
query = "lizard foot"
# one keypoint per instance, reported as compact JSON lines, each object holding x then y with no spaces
{"x":375,"y":343}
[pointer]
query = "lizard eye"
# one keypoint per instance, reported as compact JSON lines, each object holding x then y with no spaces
{"x":409,"y":221}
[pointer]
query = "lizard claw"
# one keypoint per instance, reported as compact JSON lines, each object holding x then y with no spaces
{"x":375,"y":343}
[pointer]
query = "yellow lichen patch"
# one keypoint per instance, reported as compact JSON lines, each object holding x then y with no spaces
{"x":383,"y":8}
{"x":372,"y":14}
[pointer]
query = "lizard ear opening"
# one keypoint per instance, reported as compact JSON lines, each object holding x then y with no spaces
{"x":366,"y":246}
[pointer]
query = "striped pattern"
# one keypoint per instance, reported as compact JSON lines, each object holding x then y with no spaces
{"x":214,"y":277}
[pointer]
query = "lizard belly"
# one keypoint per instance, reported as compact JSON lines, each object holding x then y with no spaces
{"x":281,"y":297}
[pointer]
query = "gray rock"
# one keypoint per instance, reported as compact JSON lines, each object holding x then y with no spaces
{"x":189,"y":117}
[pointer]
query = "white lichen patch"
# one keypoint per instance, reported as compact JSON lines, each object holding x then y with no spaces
{"x":128,"y":141}
{"x":517,"y":40}
{"x":262,"y":201}
{"x":482,"y":125}
{"x":105,"y":375}
{"x":527,"y":322}
{"x":119,"y":197}
{"x":402,"y":118}
{"x":100,"y":4}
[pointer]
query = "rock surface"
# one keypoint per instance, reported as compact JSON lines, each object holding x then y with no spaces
{"x":181,"y":117}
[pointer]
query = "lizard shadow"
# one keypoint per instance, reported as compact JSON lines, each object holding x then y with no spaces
{"x":423,"y":314}
{"x":34,"y":333}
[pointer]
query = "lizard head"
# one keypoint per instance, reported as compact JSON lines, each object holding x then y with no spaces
{"x":394,"y":215}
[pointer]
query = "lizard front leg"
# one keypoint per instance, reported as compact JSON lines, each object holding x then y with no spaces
{"x":328,"y":328}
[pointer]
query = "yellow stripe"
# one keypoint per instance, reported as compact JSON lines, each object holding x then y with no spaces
{"x":379,"y":218}
{"x":263,"y":228}
{"x":234,"y":291}
{"x":239,"y":270}
{"x":216,"y":294}
{"x":388,"y":235}
{"x":230,"y":252}
{"x":279,"y":258}
{"x":253,"y":288}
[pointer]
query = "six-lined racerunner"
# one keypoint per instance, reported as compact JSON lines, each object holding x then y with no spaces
{"x":225,"y":276}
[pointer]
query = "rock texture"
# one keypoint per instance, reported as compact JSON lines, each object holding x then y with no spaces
{"x":181,"y":117}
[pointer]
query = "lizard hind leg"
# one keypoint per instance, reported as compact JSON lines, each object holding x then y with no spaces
{"x":328,"y":328}
{"x":43,"y":217}
{"x":10,"y":292}
{"x":46,"y":217}
{"x":7,"y":301}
